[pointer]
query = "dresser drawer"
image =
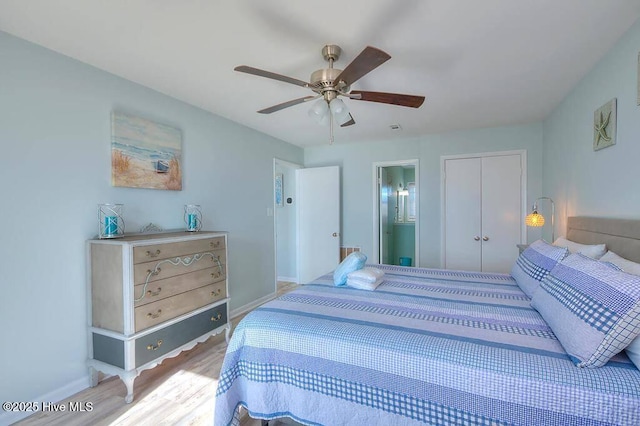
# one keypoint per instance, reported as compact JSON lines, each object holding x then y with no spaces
{"x":157,"y":312}
{"x":165,"y":268}
{"x":182,"y":248}
{"x":164,"y":341}
{"x":168,"y":287}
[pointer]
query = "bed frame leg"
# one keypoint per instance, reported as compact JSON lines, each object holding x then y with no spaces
{"x":264,"y":422}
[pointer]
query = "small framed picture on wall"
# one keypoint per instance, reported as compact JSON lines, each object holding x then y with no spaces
{"x":279,"y":190}
{"x":604,"y":125}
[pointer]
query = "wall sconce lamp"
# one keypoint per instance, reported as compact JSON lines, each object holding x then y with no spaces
{"x":536,"y":220}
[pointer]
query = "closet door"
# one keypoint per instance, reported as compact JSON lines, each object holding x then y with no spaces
{"x":463,"y":200}
{"x":502,"y":214}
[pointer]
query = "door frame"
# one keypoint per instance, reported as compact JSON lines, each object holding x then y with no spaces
{"x":376,"y":205}
{"x":278,"y":161}
{"x":523,"y":192}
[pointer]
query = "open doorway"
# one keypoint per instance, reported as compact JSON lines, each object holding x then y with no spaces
{"x":396,"y":212}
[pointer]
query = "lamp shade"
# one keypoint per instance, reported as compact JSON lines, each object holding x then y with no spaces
{"x":339,"y":110}
{"x":319,"y":112}
{"x":534,"y":219}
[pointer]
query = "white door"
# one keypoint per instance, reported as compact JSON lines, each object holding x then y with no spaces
{"x":383,"y":193}
{"x":501,"y":212}
{"x":318,"y":193}
{"x":462,"y":197}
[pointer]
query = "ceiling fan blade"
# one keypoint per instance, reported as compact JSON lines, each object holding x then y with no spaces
{"x":368,"y":60}
{"x":272,"y":75}
{"x":412,"y":101}
{"x":351,"y":122}
{"x":286,"y":104}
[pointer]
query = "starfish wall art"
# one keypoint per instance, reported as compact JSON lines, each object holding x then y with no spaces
{"x":604,"y":125}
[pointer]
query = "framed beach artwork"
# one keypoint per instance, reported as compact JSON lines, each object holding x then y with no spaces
{"x":278,"y":190}
{"x":145,"y":154}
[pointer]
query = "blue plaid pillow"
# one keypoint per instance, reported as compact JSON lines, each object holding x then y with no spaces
{"x":535,"y":263}
{"x":592,"y":308}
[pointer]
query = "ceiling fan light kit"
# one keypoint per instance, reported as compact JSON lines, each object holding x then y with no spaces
{"x":319,"y":112}
{"x":329,"y":83}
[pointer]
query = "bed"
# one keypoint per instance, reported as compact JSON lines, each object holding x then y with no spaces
{"x":427,"y":346}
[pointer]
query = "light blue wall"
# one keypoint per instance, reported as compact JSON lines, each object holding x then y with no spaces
{"x":356,"y":161}
{"x":286,"y":226}
{"x":55,"y":136}
{"x":596,"y":183}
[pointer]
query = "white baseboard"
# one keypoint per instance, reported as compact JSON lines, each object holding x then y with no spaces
{"x":250,"y":306}
{"x":57,"y":395}
{"x":288,"y":279}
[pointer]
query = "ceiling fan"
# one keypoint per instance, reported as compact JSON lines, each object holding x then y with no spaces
{"x":330,"y":83}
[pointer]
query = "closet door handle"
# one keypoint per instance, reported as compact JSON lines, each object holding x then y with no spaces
{"x":477,"y":238}
{"x":485,"y":238}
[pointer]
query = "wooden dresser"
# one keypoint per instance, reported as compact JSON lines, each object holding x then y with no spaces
{"x":152,"y":296}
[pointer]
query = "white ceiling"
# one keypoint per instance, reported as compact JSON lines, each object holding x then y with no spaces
{"x":480,"y":63}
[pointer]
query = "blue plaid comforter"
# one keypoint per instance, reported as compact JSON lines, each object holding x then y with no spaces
{"x":426,"y":347}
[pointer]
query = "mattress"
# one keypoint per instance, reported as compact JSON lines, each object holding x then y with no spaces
{"x":427,"y":346}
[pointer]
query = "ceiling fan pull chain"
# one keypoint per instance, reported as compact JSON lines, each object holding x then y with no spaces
{"x":330,"y":128}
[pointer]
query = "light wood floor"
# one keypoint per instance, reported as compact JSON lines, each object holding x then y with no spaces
{"x":180,"y":391}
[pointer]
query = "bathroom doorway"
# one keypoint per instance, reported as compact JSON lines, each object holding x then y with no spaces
{"x":396,"y":210}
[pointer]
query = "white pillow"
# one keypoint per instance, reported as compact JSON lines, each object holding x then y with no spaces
{"x":633,"y":350}
{"x":625,"y":264}
{"x":594,"y":251}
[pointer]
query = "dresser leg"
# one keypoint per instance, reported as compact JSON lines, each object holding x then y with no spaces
{"x":128,"y":379}
{"x":93,"y":375}
{"x":227,"y":332}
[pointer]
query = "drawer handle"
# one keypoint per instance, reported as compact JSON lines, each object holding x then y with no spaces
{"x":217,"y":292}
{"x":154,"y":272}
{"x":216,"y":274}
{"x":154,"y":293}
{"x":156,"y":315}
{"x":154,"y":348}
{"x":184,"y":261}
{"x":153,"y":254}
{"x":217,"y":318}
{"x":214,"y":244}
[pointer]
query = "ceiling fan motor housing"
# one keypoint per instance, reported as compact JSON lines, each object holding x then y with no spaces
{"x":324,"y":78}
{"x":323,"y":81}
